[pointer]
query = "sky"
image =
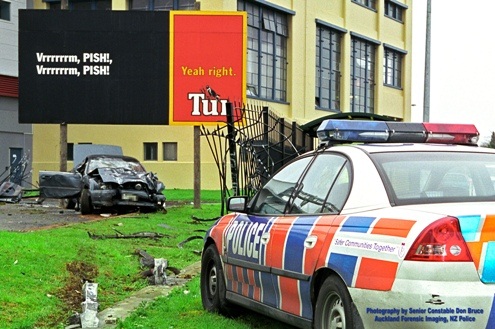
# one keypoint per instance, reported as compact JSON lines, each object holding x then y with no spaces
{"x":462,"y":63}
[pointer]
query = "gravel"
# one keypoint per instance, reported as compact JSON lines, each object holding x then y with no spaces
{"x":29,"y":215}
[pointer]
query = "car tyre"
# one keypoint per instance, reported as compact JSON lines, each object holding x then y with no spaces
{"x":213,"y":288}
{"x":86,"y":204}
{"x":333,"y":306}
{"x":69,"y":203}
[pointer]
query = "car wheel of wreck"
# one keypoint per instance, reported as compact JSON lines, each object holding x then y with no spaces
{"x":69,"y":203}
{"x":86,"y":205}
{"x":333,"y":306}
{"x":213,"y":282}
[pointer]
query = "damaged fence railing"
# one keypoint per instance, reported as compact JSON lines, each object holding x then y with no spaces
{"x":12,"y":178}
{"x":253,"y":143}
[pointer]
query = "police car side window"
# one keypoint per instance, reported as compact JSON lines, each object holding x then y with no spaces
{"x":328,"y":171}
{"x":273,"y":197}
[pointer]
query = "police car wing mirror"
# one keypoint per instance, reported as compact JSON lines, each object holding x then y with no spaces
{"x":237,"y":204}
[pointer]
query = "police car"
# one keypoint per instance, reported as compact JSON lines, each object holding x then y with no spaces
{"x":385,"y":225}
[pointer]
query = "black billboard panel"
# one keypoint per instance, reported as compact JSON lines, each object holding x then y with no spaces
{"x":94,"y":67}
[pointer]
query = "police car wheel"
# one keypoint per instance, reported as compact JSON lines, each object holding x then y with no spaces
{"x":333,"y":306}
{"x":213,"y":282}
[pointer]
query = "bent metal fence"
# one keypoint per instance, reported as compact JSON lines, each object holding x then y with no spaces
{"x":252,"y":145}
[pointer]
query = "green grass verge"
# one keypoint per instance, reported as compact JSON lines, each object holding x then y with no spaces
{"x":34,"y":265}
{"x":182,"y":309}
{"x":42,"y":271}
{"x":188,"y":195}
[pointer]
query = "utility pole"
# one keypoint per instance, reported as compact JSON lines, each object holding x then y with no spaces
{"x":426,"y":95}
{"x":64,"y":5}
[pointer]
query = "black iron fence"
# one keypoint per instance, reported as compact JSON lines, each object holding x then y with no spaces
{"x":251,"y":146}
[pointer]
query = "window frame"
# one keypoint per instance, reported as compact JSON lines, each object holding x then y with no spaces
{"x":362,"y":80}
{"x":150,"y":151}
{"x":334,"y":63}
{"x":5,"y":12}
{"x":394,"y":10}
{"x":393,"y":61}
{"x":370,"y":4}
{"x":164,"y":152}
{"x":153,"y":5}
{"x":267,"y":51}
{"x":77,"y":5}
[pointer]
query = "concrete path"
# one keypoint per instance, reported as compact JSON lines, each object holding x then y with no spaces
{"x":108,"y":317}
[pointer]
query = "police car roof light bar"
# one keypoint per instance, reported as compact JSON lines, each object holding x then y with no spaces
{"x":451,"y":133}
{"x":352,"y":131}
{"x":349,"y":131}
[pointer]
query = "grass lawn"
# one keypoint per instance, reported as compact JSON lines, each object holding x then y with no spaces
{"x":42,"y":271}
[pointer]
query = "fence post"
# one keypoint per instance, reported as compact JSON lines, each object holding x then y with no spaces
{"x":232,"y":149}
{"x":266,"y":138}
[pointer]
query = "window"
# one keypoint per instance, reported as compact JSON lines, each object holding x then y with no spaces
{"x":394,"y":10}
{"x":427,"y":177}
{"x":5,"y":10}
{"x":362,"y":76}
{"x":268,"y":32}
{"x":83,"y":5}
{"x":150,"y":151}
{"x":274,"y":196}
{"x":70,"y":151}
{"x":169,"y":151}
{"x":366,"y":3}
{"x":392,"y":68}
{"x":327,"y":93}
{"x":329,"y":172}
{"x":162,"y":4}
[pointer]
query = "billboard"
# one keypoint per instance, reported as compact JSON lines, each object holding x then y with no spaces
{"x":121,"y":67}
{"x":208,"y":67}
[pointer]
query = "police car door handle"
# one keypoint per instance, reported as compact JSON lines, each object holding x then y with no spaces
{"x":310,"y":241}
{"x":265,"y":237}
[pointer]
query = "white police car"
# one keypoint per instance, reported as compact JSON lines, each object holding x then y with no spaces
{"x":395,"y":232}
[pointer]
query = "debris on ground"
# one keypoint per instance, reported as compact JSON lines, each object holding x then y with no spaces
{"x":120,"y":235}
{"x":70,"y":294}
{"x":194,"y":237}
{"x":157,"y":269}
{"x":10,"y":192}
{"x":89,"y":316}
{"x":197,"y":220}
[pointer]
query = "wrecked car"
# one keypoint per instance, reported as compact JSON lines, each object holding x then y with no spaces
{"x":114,"y":182}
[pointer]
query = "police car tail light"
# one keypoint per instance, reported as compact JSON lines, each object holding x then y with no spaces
{"x":451,"y":133}
{"x":367,"y":131}
{"x":440,"y":241}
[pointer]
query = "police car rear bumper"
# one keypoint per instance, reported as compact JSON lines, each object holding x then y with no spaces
{"x":453,"y":297}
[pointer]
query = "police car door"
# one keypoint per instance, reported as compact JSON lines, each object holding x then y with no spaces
{"x":247,"y":268}
{"x":296,"y":239}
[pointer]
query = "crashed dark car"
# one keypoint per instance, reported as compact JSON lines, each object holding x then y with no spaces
{"x":114,"y":182}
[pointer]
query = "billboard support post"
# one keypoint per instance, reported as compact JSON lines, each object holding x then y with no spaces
{"x":63,"y":146}
{"x":197,"y":167}
{"x":64,"y":5}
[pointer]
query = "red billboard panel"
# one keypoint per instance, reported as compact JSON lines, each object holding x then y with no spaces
{"x":208,"y":64}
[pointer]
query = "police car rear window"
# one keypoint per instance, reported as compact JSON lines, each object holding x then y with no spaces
{"x":432,"y":177}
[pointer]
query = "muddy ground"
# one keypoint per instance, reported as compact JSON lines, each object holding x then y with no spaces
{"x":29,"y":215}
